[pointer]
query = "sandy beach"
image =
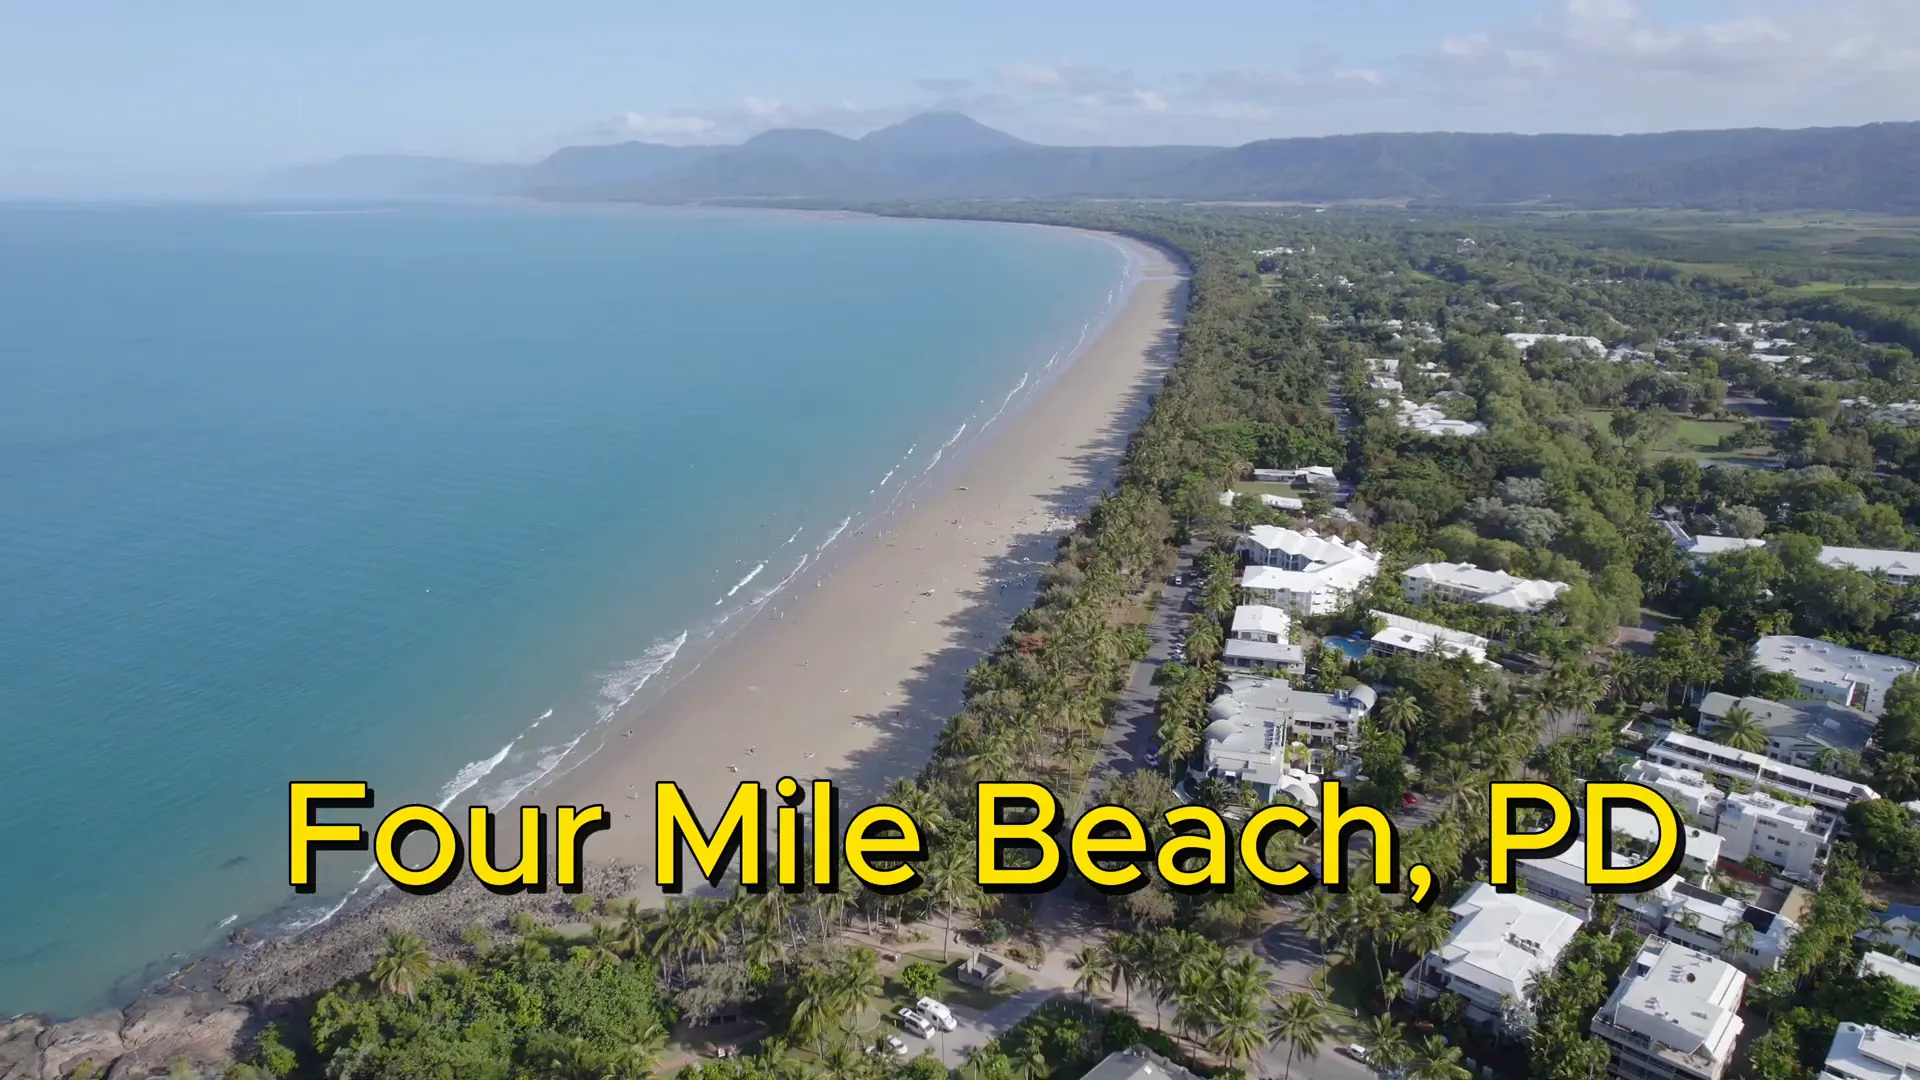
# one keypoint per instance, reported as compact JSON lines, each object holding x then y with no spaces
{"x":852,"y":675}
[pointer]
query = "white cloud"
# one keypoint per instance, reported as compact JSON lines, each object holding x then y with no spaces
{"x":1150,"y":101}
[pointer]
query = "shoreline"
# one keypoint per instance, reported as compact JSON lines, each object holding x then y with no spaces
{"x":977,"y":534}
{"x":853,"y":678}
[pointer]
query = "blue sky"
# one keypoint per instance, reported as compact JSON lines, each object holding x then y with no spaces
{"x":129,"y":96}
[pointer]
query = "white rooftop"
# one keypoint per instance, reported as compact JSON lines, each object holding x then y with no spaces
{"x":1823,"y":663}
{"x":1894,"y":564}
{"x":1261,"y":619}
{"x":1278,"y":653}
{"x":1801,"y":780}
{"x":1412,"y":635}
{"x":1502,"y":940}
{"x":1496,"y":588}
{"x":1893,"y":967}
{"x":1642,"y":827}
{"x":1524,"y":342}
{"x":1704,"y":546}
{"x":1307,"y":544}
{"x":1680,"y":998}
{"x":1429,"y":420}
{"x":1865,"y":1052}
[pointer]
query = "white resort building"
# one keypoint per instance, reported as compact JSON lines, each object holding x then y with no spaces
{"x":1674,"y":1016}
{"x":1404,"y":635}
{"x":1465,"y":583}
{"x":1302,"y":571}
{"x":1830,"y":672}
{"x":1500,"y":942}
{"x":1257,"y":718}
{"x":1683,"y":751}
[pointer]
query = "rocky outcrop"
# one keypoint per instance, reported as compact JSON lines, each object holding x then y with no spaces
{"x":144,"y":1040}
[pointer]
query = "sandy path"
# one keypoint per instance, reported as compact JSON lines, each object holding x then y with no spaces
{"x":851,"y":679}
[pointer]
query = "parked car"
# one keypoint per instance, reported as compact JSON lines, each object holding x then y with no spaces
{"x":1355,"y":1051}
{"x":937,"y":1012}
{"x":914,"y":1022}
{"x":898,"y":1047}
{"x":1153,"y":757}
{"x":1409,"y":799}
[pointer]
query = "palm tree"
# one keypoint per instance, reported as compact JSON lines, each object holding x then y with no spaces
{"x":1739,"y":730}
{"x":403,"y":964}
{"x":1031,"y":1059}
{"x":1430,"y":928}
{"x":1400,"y":711}
{"x":640,"y":1048}
{"x":1125,"y":963}
{"x":1320,"y":918}
{"x":951,"y":885}
{"x":1385,"y":1042}
{"x":1435,"y":1060}
{"x":1238,"y":1032}
{"x":1301,"y":1021}
{"x":1092,"y":967}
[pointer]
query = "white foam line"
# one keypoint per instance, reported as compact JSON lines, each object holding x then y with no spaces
{"x":796,"y":534}
{"x":783,"y":582}
{"x":889,"y":476}
{"x":470,"y":774}
{"x":1008,"y":400}
{"x":834,"y":535}
{"x":936,"y":460}
{"x":956,"y":435}
{"x":620,"y":686}
{"x":738,"y":585}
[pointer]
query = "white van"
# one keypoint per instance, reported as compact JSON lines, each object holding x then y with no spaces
{"x":936,"y":1012}
{"x":914,"y":1022}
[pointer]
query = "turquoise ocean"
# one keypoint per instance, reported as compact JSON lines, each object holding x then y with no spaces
{"x":420,"y":494}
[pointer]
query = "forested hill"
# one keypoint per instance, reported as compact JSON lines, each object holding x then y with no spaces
{"x":945,"y":155}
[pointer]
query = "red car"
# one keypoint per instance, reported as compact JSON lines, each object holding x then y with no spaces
{"x":1409,"y":799}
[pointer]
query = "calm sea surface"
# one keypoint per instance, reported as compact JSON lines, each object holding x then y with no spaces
{"x":419,"y":494}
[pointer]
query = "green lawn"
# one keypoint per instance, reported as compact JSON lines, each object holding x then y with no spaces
{"x":1698,"y":439}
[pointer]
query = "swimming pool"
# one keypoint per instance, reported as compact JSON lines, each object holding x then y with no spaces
{"x":1353,"y":647}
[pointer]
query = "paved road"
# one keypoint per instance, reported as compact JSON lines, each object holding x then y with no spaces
{"x":1132,"y":730}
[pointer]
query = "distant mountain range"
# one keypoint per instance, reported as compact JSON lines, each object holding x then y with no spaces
{"x":948,"y":155}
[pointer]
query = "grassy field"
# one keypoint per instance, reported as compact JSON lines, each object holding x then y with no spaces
{"x":1694,"y":438}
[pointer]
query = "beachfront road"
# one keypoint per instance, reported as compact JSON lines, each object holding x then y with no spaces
{"x":1131,"y":731}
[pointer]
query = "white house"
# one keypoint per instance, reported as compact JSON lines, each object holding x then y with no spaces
{"x":1258,"y":622}
{"x":1500,"y":942}
{"x":1288,"y":659}
{"x":1465,"y":583}
{"x":1298,"y":715}
{"x":1311,"y":476}
{"x":1865,"y":1052}
{"x":1405,"y":635}
{"x":1429,"y":420}
{"x":1636,"y":831}
{"x":1302,"y":571}
{"x":1792,"y":837}
{"x":1850,"y":677}
{"x":1523,"y":342}
{"x":1675,"y":1014}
